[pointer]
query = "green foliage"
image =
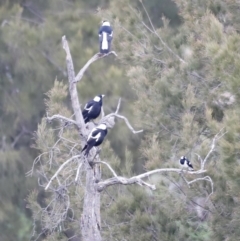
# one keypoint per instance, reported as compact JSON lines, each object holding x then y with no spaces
{"x":31,"y":58}
{"x":180,"y":84}
{"x":186,"y":80}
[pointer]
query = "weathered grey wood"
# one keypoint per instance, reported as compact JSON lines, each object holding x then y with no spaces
{"x":90,"y":220}
{"x":73,"y":89}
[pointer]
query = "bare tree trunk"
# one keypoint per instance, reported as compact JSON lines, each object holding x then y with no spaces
{"x":90,"y":220}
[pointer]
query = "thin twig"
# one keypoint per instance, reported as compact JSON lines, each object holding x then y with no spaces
{"x":61,"y":118}
{"x":123,"y":118}
{"x":206,"y":178}
{"x":60,"y":169}
{"x":154,"y":31}
{"x":78,"y":171}
{"x":109,"y":167}
{"x":132,"y":36}
{"x":118,"y":106}
{"x":216,"y":137}
{"x":36,"y":160}
{"x":102,"y":112}
{"x":127,"y":123}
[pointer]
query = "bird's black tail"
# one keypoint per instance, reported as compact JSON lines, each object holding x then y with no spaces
{"x":84,"y":148}
{"x":86,"y":120}
{"x":87,"y":151}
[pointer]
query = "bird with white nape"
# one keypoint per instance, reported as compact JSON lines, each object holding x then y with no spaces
{"x":105,"y":34}
{"x":92,"y":109}
{"x":95,"y":138}
{"x":185,"y":163}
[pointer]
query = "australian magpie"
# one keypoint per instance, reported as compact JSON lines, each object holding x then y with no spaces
{"x":93,"y":108}
{"x":105,"y":34}
{"x":186,"y":163}
{"x":95,"y":138}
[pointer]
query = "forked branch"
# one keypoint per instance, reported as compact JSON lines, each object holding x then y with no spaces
{"x":115,"y":114}
{"x":90,"y":61}
{"x":138,"y":179}
{"x":213,"y":145}
{"x":60,"y":169}
{"x":73,"y":80}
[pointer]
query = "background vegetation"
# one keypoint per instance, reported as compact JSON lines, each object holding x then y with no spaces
{"x":179,"y":81}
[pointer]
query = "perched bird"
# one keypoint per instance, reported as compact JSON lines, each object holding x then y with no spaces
{"x":95,"y":138}
{"x":105,"y":34}
{"x":186,"y":163}
{"x":93,"y":108}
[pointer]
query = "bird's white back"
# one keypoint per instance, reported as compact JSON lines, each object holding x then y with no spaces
{"x":104,"y":41}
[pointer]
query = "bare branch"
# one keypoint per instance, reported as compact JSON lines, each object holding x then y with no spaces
{"x":70,"y":67}
{"x":153,"y":30}
{"x":109,"y":117}
{"x":102,"y":112}
{"x":53,"y":63}
{"x":17,"y":138}
{"x":206,"y":178}
{"x":123,"y":118}
{"x":90,"y":61}
{"x":132,"y":36}
{"x":185,"y":180}
{"x":78,"y":171}
{"x":36,"y":160}
{"x":122,"y":180}
{"x":199,"y":158}
{"x":118,"y":106}
{"x":73,"y":89}
{"x":109,"y":167}
{"x":61,"y":118}
{"x":216,"y":137}
{"x":127,"y":123}
{"x":141,"y":183}
{"x":147,"y":174}
{"x":137,"y":179}
{"x":60,"y":169}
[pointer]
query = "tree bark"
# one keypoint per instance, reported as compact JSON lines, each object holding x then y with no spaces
{"x":90,"y":220}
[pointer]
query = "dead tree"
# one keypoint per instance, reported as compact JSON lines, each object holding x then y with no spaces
{"x":90,"y":222}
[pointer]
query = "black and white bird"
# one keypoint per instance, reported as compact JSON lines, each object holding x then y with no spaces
{"x":105,"y":34}
{"x":184,"y":162}
{"x":95,"y":138}
{"x":92,"y":109}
